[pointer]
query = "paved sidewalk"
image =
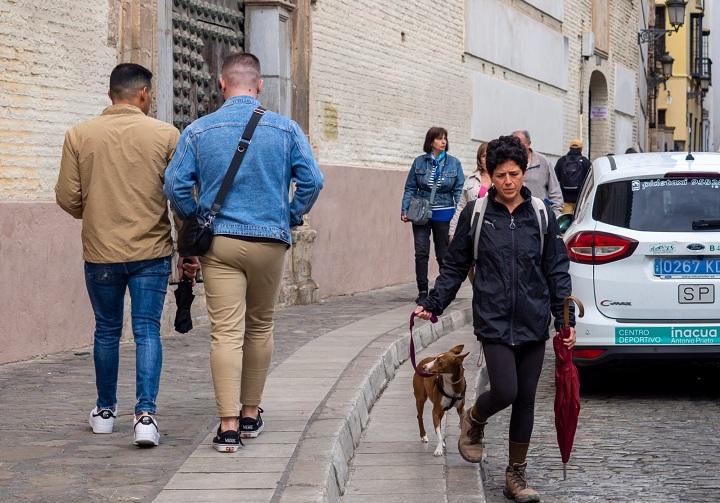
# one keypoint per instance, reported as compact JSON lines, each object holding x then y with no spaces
{"x":47,"y":453}
{"x":392,"y":464}
{"x":316,"y":403}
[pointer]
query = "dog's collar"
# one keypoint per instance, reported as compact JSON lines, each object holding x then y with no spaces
{"x":458,"y":381}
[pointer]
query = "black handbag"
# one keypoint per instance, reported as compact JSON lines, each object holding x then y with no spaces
{"x":196,"y":234}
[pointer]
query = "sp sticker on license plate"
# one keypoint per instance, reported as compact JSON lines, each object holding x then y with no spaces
{"x":696,"y":294}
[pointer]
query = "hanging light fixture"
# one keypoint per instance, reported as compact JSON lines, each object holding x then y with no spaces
{"x":676,"y":12}
{"x":667,"y":64}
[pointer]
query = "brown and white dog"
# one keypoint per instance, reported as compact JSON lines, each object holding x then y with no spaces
{"x":445,"y":389}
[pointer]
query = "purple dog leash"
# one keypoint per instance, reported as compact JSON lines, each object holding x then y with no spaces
{"x":433,"y":319}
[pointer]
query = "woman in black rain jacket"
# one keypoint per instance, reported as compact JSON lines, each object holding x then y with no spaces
{"x":520,"y":280}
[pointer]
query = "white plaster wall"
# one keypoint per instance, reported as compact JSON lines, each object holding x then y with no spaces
{"x":625,"y":90}
{"x":509,"y":38}
{"x":553,"y":7}
{"x":623,"y":133}
{"x":500,"y":108}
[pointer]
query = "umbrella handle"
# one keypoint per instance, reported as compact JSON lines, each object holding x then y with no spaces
{"x":566,"y":309}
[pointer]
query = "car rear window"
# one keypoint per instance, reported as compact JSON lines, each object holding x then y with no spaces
{"x":658,"y":204}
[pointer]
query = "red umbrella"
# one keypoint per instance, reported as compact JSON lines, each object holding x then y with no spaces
{"x":567,"y":387}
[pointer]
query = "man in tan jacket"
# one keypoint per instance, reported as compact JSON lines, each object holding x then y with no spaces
{"x":111,"y":177}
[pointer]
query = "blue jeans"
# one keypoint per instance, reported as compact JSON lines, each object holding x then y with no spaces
{"x":106,"y":285}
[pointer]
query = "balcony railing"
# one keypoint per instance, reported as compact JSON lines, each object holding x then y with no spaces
{"x":702,"y":69}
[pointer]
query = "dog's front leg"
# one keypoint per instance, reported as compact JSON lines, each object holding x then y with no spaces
{"x":437,"y":414}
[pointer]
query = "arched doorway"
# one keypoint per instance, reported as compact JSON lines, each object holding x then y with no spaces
{"x":599,"y":113}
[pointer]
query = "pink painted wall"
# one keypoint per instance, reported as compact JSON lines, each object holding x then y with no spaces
{"x":44,"y":307}
{"x":361,"y":243}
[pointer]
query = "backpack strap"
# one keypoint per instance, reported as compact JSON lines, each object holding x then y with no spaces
{"x":542,"y":218}
{"x":479,"y":215}
{"x":477,"y":218}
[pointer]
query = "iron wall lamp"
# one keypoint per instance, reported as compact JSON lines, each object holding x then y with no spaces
{"x":676,"y":16}
{"x":666,"y":63}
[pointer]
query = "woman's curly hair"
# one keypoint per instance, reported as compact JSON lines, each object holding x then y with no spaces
{"x":505,"y":148}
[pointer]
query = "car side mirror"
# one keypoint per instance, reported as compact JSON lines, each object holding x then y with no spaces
{"x":564,"y":221}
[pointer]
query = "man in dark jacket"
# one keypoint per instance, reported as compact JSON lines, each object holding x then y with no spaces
{"x":571,"y":171}
{"x":518,"y":283}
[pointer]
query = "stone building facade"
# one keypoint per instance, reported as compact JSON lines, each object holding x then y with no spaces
{"x":682,"y":105}
{"x":365,"y":79}
{"x":55,"y":59}
{"x":481,"y":68}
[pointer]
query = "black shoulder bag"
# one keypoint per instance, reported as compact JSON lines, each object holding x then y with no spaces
{"x":196,"y":234}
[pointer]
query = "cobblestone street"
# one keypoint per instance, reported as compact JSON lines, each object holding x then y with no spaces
{"x":647,"y":433}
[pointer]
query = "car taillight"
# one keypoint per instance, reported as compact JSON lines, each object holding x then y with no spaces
{"x":588,"y":354}
{"x":592,"y":247}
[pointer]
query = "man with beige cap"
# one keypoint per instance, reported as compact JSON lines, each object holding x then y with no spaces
{"x":571,"y":170}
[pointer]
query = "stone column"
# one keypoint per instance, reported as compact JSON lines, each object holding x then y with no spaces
{"x":164,"y":68}
{"x":270,"y":33}
{"x":268,"y":36}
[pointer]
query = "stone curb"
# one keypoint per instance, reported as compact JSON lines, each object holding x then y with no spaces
{"x":319,"y":469}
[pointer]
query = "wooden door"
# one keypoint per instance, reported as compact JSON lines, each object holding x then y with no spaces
{"x":204,"y":32}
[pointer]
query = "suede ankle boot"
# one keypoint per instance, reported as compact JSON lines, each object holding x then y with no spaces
{"x":472,"y":433}
{"x":516,"y":485}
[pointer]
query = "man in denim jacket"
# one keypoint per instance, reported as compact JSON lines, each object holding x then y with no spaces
{"x":244,"y":267}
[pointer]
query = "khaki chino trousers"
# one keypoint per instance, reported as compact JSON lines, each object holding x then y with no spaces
{"x":242,"y":280}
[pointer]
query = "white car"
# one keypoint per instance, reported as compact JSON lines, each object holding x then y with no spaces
{"x":644,"y":246}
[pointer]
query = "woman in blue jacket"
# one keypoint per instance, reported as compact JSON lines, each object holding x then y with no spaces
{"x":434,"y":169}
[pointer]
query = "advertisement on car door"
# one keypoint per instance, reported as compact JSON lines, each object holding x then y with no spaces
{"x":667,"y":336}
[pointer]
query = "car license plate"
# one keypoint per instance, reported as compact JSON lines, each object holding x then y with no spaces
{"x":696,"y":294}
{"x":686,"y":267}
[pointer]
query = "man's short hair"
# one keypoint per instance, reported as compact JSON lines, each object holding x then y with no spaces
{"x":433,"y":134}
{"x":505,"y":148}
{"x":127,"y":79}
{"x":523,"y":132}
{"x":241,"y":68}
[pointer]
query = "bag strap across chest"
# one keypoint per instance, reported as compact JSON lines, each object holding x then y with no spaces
{"x":237,"y":159}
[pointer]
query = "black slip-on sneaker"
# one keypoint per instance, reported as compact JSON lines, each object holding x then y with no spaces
{"x":251,"y":428}
{"x":227,"y":441}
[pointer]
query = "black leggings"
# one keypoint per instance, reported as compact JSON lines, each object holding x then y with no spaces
{"x":514,"y":372}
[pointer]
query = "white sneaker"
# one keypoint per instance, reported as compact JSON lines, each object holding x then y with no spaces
{"x":102,"y":420}
{"x":146,"y":431}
